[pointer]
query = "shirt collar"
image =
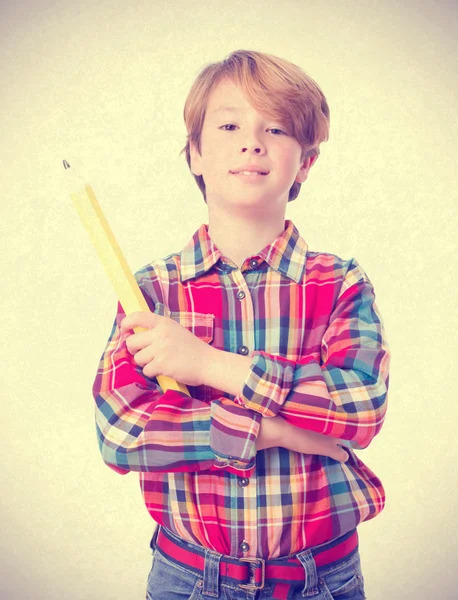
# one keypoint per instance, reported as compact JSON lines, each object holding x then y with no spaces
{"x":286,"y":254}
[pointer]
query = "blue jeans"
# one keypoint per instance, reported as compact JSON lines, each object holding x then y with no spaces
{"x":341,"y":580}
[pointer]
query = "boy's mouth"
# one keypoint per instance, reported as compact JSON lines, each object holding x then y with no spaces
{"x":250,"y":173}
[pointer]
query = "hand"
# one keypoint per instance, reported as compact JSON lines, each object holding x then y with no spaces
{"x":166,"y":348}
{"x":276,"y":432}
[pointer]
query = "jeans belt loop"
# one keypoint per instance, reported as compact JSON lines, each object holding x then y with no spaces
{"x":211,"y":574}
{"x":310,"y":573}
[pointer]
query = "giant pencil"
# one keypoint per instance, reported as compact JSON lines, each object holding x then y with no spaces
{"x":113,"y":260}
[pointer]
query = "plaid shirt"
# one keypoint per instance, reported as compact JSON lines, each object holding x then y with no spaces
{"x":319,"y":358}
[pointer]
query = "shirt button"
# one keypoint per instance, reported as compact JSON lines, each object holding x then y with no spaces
{"x":240,"y":295}
{"x":244,"y":546}
{"x":243,"y":350}
{"x":243,"y":481}
{"x":253,"y":264}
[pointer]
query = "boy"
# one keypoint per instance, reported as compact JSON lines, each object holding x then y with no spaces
{"x":283,"y":352}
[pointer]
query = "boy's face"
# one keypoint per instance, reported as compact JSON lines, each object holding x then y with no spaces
{"x":233,"y":139}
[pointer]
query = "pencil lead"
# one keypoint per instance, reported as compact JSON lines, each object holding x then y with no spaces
{"x":66,"y":165}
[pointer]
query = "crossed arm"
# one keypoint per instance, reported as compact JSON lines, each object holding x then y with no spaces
{"x":216,"y":368}
{"x":307,"y":406}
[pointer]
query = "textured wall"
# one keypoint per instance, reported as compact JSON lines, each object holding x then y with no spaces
{"x":102,"y":83}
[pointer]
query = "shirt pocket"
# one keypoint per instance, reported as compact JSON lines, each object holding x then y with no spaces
{"x":200,"y":324}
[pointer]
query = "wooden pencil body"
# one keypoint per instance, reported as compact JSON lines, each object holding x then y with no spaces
{"x":114,"y":262}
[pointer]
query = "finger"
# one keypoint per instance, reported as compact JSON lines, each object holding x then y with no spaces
{"x":330,"y":448}
{"x":143,"y":357}
{"x":150,"y":370}
{"x":138,"y":341}
{"x":333,"y":450}
{"x":144,"y":319}
{"x":340,"y":454}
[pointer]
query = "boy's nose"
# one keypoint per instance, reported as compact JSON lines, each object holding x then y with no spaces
{"x":253,"y":143}
{"x":255,"y":149}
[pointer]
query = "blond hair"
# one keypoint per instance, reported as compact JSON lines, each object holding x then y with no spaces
{"x":274,"y":87}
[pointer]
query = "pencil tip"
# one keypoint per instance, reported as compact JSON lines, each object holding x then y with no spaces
{"x":66,"y":165}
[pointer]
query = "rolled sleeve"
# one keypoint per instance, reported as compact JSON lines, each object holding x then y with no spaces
{"x":233,"y":434}
{"x":343,"y":393}
{"x":267,"y":385}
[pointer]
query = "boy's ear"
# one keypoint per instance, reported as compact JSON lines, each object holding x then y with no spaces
{"x":196,"y":159}
{"x":303,"y":172}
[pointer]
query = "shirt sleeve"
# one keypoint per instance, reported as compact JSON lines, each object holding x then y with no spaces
{"x":140,"y":428}
{"x":343,"y":393}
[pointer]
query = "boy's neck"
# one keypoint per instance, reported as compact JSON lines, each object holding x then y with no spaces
{"x":239,"y":236}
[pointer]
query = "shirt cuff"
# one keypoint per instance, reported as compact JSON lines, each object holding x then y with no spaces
{"x":267,"y":385}
{"x":233,"y":434}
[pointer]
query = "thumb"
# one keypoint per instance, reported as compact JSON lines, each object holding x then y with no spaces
{"x":341,"y":454}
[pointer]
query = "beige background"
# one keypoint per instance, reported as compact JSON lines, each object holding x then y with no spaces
{"x":102,"y":84}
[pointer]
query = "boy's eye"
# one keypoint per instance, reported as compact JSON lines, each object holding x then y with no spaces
{"x":280,"y":131}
